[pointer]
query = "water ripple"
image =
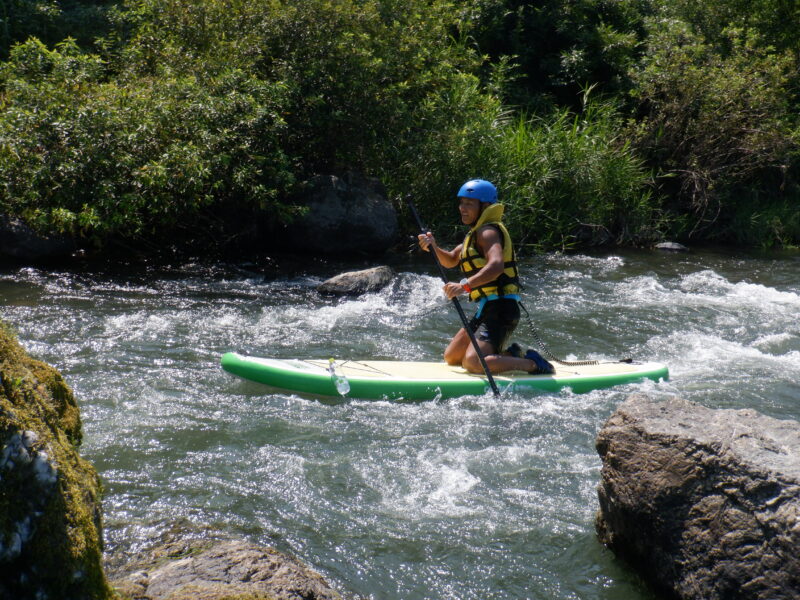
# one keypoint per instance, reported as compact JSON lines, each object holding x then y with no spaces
{"x":470,"y":498}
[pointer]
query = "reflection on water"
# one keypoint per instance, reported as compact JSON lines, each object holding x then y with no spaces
{"x":470,"y":498}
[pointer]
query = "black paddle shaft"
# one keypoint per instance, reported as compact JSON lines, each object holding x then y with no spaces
{"x":457,"y":304}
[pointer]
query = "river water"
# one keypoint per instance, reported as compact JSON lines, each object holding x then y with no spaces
{"x":470,"y":498}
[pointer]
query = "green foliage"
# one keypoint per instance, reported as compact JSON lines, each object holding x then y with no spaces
{"x":184,"y":110}
{"x":565,"y":179}
{"x":51,"y":21}
{"x":214,"y":104}
{"x":85,"y":155}
{"x":570,"y":178}
{"x":775,"y":22}
{"x":358,"y":71}
{"x":561,"y":47}
{"x":719,"y":126}
{"x":353,"y":71}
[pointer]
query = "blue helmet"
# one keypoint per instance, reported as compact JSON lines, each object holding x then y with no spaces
{"x":480,"y":189}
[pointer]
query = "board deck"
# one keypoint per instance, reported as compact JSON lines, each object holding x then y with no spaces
{"x":378,"y":379}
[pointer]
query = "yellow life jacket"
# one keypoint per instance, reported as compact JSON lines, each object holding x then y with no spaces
{"x":471,"y":260}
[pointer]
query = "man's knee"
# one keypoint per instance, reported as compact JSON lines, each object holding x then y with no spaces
{"x":472,"y":366}
{"x":452,"y":358}
{"x":453,"y":362}
{"x":472,"y":363}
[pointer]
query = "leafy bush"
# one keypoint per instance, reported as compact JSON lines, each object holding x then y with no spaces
{"x":88,"y":156}
{"x":564,"y":179}
{"x":203,"y":103}
{"x":559,"y":48}
{"x":51,"y":21}
{"x":774,"y":22}
{"x":353,"y":71}
{"x":188,"y":109}
{"x":720,"y":127}
{"x":572,"y":178}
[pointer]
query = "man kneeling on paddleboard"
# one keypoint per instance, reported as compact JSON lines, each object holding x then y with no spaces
{"x":487,"y":261}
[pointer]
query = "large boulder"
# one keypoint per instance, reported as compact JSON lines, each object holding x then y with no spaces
{"x":210,"y":567}
{"x":705,"y":503}
{"x":345,"y":216}
{"x":354,"y":283}
{"x":50,"y":513}
{"x":20,"y":242}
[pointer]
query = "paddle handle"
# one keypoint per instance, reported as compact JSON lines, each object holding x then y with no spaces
{"x":457,"y":305}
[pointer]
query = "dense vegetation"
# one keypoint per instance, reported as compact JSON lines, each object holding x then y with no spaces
{"x":600,"y":122}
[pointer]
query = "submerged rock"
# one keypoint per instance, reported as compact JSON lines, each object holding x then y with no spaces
{"x":353,"y":283}
{"x":210,"y":568}
{"x":705,"y":503}
{"x":50,"y":514}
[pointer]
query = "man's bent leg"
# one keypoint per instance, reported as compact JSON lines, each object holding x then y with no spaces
{"x":472,"y":363}
{"x":497,"y":363}
{"x":454,"y":353}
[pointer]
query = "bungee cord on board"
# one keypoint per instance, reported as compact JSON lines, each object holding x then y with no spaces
{"x":546,"y":351}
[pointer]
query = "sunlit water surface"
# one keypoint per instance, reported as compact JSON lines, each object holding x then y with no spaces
{"x":471,"y":498}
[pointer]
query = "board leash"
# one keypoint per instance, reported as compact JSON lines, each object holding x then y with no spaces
{"x":546,"y":351}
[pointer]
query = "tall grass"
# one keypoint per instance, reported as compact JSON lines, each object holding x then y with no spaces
{"x":565,"y":179}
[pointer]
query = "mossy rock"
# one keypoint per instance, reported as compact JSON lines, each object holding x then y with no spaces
{"x":50,"y":511}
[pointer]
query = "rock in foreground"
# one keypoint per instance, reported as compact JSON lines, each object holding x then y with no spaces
{"x":197,"y":569}
{"x":354,"y":283}
{"x":705,"y":503}
{"x":50,"y":514}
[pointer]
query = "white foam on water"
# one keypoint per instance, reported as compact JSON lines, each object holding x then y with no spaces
{"x":469,"y":498}
{"x":643,"y":290}
{"x":707,"y":290}
{"x":700,"y":360}
{"x":711,"y":288}
{"x":603,"y":264}
{"x":388,"y":319}
{"x":724,"y":329}
{"x":419,"y":484}
{"x":455,"y":482}
{"x":777,"y":343}
{"x":140,"y":325}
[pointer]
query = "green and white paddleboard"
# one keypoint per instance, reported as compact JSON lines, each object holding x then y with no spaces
{"x":378,"y":379}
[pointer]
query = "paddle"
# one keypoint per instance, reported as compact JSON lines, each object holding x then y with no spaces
{"x":457,"y":304}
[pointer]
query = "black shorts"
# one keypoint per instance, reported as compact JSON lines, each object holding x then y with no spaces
{"x":497,"y":322}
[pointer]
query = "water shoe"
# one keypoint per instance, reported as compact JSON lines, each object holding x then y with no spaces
{"x":542,"y":366}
